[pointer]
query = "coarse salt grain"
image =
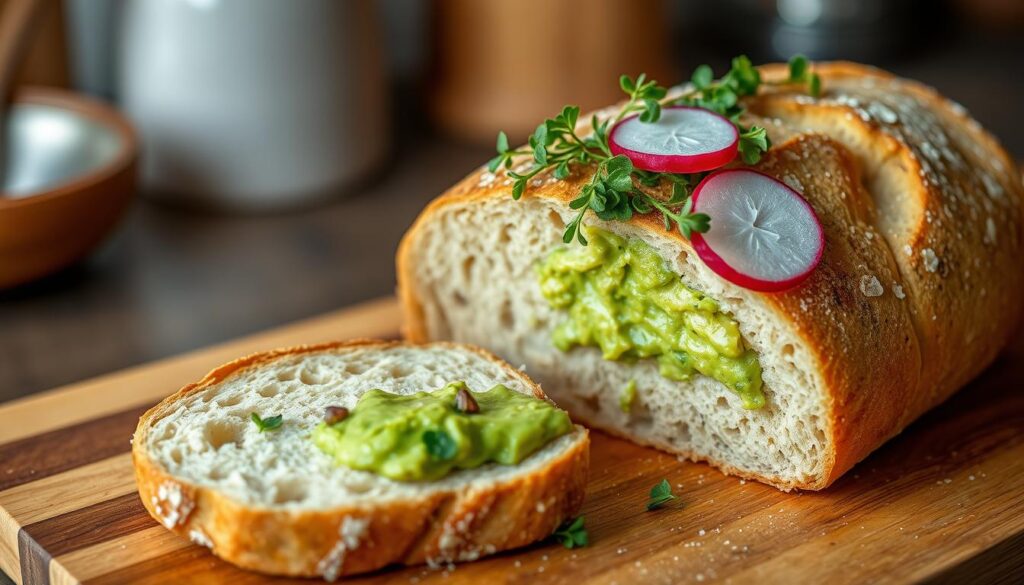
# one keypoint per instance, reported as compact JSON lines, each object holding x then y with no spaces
{"x":794,"y":183}
{"x":931,"y":261}
{"x":990,"y":231}
{"x":870,"y":287}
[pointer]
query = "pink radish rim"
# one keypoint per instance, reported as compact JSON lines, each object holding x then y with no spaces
{"x":678,"y":163}
{"x":722,"y":268}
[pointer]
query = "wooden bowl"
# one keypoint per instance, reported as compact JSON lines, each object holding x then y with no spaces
{"x":69,"y":178}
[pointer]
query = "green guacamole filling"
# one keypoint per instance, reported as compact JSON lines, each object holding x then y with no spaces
{"x":424,"y":436}
{"x":620,"y":296}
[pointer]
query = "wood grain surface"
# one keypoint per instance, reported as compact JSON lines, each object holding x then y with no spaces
{"x":943,"y":502}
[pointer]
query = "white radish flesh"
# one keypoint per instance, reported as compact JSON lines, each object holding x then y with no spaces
{"x":764,"y":236}
{"x":683,"y":140}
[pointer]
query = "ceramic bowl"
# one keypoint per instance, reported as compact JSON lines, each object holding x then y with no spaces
{"x":69,"y":176}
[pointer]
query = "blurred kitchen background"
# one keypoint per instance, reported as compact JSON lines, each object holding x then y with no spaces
{"x":260,"y":159}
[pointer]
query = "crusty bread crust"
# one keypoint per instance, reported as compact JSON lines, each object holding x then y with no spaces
{"x":949,"y":214}
{"x":438,"y":528}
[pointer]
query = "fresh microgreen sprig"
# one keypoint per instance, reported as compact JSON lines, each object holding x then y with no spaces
{"x":572,"y":534}
{"x":611,"y":192}
{"x":800,"y":73}
{"x":661,"y":494}
{"x":644,"y":97}
{"x":616,"y":190}
{"x":267,"y":424}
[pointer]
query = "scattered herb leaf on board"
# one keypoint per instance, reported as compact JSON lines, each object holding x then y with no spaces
{"x":572,"y":534}
{"x":661,"y":494}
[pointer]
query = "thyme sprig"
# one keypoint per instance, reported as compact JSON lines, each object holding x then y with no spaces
{"x":616,"y":190}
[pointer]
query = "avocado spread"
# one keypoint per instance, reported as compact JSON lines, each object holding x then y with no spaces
{"x":620,"y":296}
{"x":425,"y":436}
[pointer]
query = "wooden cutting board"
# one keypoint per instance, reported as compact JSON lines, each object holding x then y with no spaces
{"x":942,"y":502}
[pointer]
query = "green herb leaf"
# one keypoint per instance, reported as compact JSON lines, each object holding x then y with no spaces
{"x":753,"y":143}
{"x":540,"y":154}
{"x":540,"y":135}
{"x":572,"y":533}
{"x":502,"y":144}
{"x":797,"y":68}
{"x":570,"y":114}
{"x":440,"y":445}
{"x":267,"y":424}
{"x":694,"y":222}
{"x":800,"y":72}
{"x":627,"y":85}
{"x":494,"y":163}
{"x":569,"y":233}
{"x":620,"y":181}
{"x":814,"y":86}
{"x":661,"y":494}
{"x":743,"y":77}
{"x":702,"y":77}
{"x":620,"y":163}
{"x":651,"y":112}
{"x":518,"y":187}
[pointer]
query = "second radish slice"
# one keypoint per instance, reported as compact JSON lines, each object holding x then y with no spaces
{"x":764,"y":236}
{"x":683,"y":140}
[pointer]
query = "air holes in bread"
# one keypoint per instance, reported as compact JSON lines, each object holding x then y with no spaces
{"x":467,"y":267}
{"x":289,"y":490}
{"x":358,"y":487}
{"x":556,"y":220}
{"x":232,"y":400}
{"x":356,"y":369}
{"x":592,"y":402}
{"x":682,"y":431}
{"x":221,"y":432}
{"x":507,"y":319}
{"x":169,"y":432}
{"x":311,"y":375}
{"x":269,"y":391}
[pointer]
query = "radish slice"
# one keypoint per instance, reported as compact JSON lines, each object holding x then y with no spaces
{"x":683,"y":140}
{"x":764,"y":236}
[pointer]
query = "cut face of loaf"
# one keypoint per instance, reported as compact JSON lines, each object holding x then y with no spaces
{"x":478,"y":284}
{"x":917,"y":291}
{"x":273,"y":502}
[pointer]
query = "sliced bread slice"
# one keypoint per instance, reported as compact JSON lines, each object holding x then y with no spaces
{"x":272,"y":502}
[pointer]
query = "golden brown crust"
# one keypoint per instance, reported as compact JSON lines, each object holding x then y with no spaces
{"x":912,"y":193}
{"x":438,"y":527}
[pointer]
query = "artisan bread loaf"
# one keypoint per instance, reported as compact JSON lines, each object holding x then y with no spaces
{"x":272,"y":502}
{"x":917,"y":292}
